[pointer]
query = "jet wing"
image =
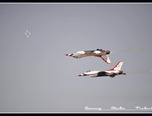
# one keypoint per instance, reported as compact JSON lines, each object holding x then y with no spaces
{"x":106,"y":58}
{"x":89,"y":53}
{"x":81,"y":54}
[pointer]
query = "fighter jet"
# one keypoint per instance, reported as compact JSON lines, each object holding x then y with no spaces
{"x":98,"y":53}
{"x":111,"y":72}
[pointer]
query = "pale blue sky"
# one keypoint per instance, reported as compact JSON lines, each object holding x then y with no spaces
{"x":35,"y":76}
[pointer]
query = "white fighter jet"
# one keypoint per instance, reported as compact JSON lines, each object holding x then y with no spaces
{"x":98,"y":53}
{"x":111,"y":72}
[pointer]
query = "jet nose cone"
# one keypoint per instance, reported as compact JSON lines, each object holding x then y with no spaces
{"x":79,"y":75}
{"x":107,"y":52}
{"x":66,"y":54}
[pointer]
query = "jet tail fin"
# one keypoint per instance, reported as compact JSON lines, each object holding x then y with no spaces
{"x":118,"y":66}
{"x":106,"y":59}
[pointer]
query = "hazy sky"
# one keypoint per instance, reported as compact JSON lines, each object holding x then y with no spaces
{"x":35,"y":76}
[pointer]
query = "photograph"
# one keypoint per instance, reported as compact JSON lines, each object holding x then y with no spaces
{"x":75,"y":57}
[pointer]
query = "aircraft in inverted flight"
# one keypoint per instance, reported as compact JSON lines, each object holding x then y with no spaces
{"x":98,"y":53}
{"x":111,"y":72}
